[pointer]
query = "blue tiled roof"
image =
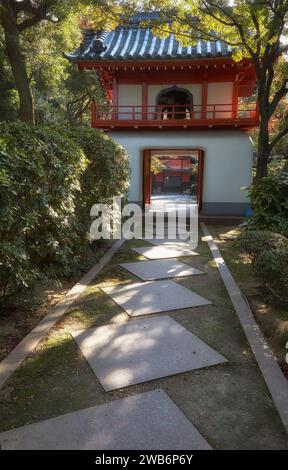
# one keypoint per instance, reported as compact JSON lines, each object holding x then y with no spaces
{"x":136,"y":42}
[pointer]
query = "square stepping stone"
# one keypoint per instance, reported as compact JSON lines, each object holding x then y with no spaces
{"x":160,"y":269}
{"x":168,"y":242}
{"x":143,"y":350}
{"x":154,"y":297}
{"x":149,"y":420}
{"x":161,"y":252}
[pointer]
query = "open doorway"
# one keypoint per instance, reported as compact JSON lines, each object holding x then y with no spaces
{"x":173,"y":176}
{"x":175,"y":103}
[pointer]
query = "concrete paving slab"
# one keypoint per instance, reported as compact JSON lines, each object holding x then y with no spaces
{"x":154,"y":297}
{"x":160,"y":269}
{"x":168,"y":242}
{"x":160,"y":252}
{"x":143,"y":350}
{"x":149,"y":420}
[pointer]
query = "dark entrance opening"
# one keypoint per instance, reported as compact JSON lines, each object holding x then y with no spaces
{"x":175,"y":103}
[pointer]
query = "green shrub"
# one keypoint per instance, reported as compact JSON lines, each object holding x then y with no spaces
{"x":47,"y":188}
{"x":271,"y":267}
{"x":107,"y":173}
{"x":255,"y":241}
{"x":269,"y":199}
{"x":39,"y":182}
{"x":269,"y":254}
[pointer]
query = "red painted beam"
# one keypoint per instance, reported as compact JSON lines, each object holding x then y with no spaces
{"x":175,"y":124}
{"x":168,"y":64}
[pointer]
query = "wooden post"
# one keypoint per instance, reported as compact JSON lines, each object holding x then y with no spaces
{"x":115,"y":100}
{"x":204,"y":100}
{"x":146,"y":177}
{"x":235,"y":98}
{"x":144,"y":101}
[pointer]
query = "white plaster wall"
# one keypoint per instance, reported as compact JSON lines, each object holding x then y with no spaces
{"x":227,"y":165}
{"x":195,"y":90}
{"x":220,"y":94}
{"x":129,"y":95}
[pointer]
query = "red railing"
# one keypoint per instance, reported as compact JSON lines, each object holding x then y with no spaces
{"x":173,"y":114}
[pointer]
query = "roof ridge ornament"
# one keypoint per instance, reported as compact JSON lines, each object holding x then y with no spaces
{"x":97,"y":44}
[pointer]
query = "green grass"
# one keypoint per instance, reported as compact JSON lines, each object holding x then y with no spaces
{"x":272,"y":318}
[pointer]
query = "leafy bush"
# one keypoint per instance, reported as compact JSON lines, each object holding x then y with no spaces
{"x":255,"y":241}
{"x":269,"y":254}
{"x":47,"y":188}
{"x":271,"y":267}
{"x":269,"y":198}
{"x":39,"y":181}
{"x":107,"y":173}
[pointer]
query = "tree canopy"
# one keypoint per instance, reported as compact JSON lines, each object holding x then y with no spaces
{"x":34,"y":34}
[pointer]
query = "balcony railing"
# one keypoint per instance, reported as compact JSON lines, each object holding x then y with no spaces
{"x":105,"y":116}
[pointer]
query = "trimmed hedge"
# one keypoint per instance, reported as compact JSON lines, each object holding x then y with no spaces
{"x":254,"y":242}
{"x":271,"y":267}
{"x":107,"y":173}
{"x":47,"y":188}
{"x":269,"y":254}
{"x":269,"y":199}
{"x":266,"y":236}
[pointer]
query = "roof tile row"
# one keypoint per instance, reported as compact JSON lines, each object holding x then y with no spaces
{"x":135,"y":42}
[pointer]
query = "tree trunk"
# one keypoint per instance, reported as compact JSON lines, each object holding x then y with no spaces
{"x":262,"y":165}
{"x":18,"y":66}
{"x":263,"y":147}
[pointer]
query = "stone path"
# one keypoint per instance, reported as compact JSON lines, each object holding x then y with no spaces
{"x":154,"y":297}
{"x":142,"y":350}
{"x":117,"y":425}
{"x":160,"y":269}
{"x":159,"y":252}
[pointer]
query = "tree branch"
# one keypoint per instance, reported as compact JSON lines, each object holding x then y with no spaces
{"x":38,"y":12}
{"x":32,"y":21}
{"x":282,"y":91}
{"x":227,"y":14}
{"x":278,"y":138}
{"x":27,"y":6}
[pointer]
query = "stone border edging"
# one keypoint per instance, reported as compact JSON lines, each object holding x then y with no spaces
{"x":276,"y":383}
{"x":29,"y":343}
